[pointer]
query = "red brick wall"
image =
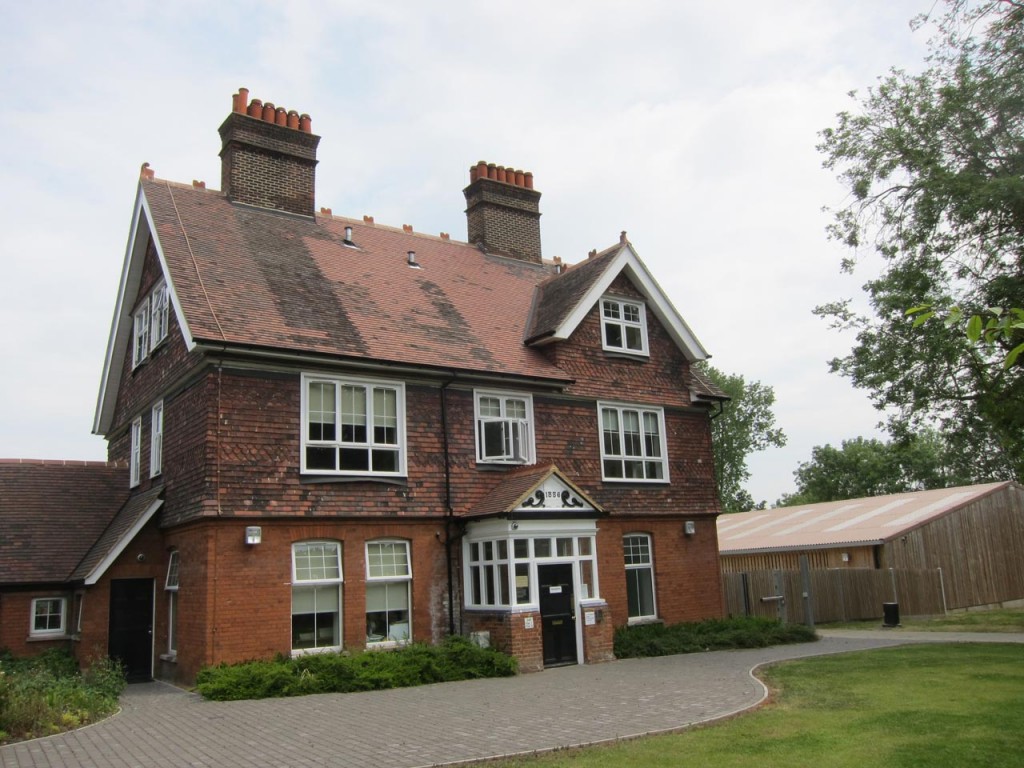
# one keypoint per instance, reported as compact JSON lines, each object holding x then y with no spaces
{"x":16,"y":621}
{"x":687,"y":579}
{"x":143,"y":558}
{"x":509,"y":634}
{"x":235,"y":599}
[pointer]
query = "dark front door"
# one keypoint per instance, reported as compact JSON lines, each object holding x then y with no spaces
{"x":557,"y":614}
{"x":131,"y":627}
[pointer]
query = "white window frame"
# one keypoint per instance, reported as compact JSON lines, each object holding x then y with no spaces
{"x":500,"y":567}
{"x":135,"y":459}
{"x":338,"y":443}
{"x":156,"y":440}
{"x":140,"y":334}
{"x":333,"y":583}
{"x":615,"y":314}
{"x":633,"y":560}
{"x":516,"y":433}
{"x":159,"y":314}
{"x":646,"y":458}
{"x":58,"y":631}
{"x":171,"y":586}
{"x":394,"y":634}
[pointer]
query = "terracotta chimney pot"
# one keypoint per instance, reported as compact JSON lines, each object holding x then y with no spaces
{"x":481,"y":169}
{"x":269,"y":113}
{"x":239,"y":100}
{"x":256,"y":109}
{"x":305,"y":123}
{"x":293,"y":119}
{"x":474,"y":174}
{"x":520,"y":178}
{"x":492,"y":171}
{"x":281,"y":116}
{"x":528,"y":180}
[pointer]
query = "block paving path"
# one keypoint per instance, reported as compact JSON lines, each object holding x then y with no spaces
{"x":161,"y":726}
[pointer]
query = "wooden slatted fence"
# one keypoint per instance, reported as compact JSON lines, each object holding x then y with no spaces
{"x":839,"y":594}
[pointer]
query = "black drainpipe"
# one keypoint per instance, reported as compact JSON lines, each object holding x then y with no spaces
{"x":449,"y":519}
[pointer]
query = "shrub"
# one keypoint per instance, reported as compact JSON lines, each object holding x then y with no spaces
{"x":47,"y":694}
{"x":418,"y":664}
{"x":645,"y":640}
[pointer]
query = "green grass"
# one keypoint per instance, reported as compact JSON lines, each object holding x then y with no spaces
{"x":996,"y":620}
{"x":955,"y":706}
{"x":47,"y":694}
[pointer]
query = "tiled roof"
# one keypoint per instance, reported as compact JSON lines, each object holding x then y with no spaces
{"x":705,"y":388}
{"x":263,"y":279}
{"x":516,"y":485}
{"x":835,"y":523}
{"x":50,"y":514}
{"x":121,"y":530}
{"x":558,"y":296}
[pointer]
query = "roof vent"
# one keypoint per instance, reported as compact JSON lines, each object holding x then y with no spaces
{"x":410,"y":259}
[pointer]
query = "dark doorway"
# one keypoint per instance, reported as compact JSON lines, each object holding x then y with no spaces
{"x":557,"y":614}
{"x":131,"y":627}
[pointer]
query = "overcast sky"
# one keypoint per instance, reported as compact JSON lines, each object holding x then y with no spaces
{"x":690,"y":125}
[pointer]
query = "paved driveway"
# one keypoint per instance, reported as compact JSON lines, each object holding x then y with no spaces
{"x":162,"y":726}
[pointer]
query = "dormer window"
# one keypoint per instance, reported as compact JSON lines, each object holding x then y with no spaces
{"x":504,"y":428}
{"x":624,"y":326}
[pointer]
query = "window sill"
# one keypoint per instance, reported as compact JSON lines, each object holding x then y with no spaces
{"x":619,"y":354}
{"x":386,"y":645}
{"x":171,"y":657}
{"x":297,"y":652}
{"x":634,"y":481}
{"x":312,"y":478}
{"x":641,"y":620}
{"x":48,"y":638}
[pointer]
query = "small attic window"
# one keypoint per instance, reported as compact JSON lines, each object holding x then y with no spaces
{"x":624,"y":326}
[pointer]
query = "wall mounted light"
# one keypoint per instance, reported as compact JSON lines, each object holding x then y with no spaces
{"x":689,"y":527}
{"x":253,"y":534}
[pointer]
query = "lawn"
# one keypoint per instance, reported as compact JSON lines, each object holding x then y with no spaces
{"x":999,"y":620}
{"x":936,"y":705}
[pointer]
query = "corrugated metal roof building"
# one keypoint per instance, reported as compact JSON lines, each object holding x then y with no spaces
{"x":975,"y":534}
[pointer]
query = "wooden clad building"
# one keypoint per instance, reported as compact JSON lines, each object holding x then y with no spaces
{"x":974,"y":534}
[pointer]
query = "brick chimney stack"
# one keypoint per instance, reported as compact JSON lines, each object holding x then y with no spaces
{"x":503,"y":211}
{"x":268,"y":156}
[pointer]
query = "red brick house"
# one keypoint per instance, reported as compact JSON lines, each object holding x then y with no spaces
{"x":330,"y":433}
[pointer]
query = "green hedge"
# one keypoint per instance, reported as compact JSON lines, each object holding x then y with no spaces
{"x":643,"y":640}
{"x":418,"y":664}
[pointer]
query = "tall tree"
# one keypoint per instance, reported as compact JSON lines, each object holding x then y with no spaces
{"x":868,"y":467}
{"x":934,"y":163}
{"x":745,"y":426}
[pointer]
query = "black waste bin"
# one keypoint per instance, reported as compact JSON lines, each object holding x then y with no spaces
{"x":891,"y":614}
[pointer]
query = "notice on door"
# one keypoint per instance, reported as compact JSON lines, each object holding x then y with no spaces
{"x":555,"y":590}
